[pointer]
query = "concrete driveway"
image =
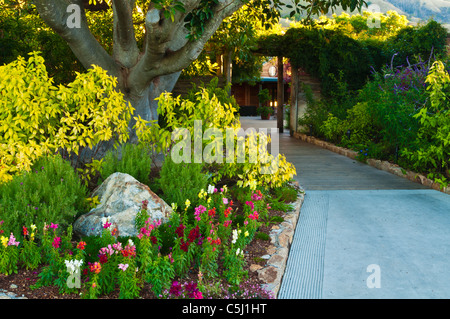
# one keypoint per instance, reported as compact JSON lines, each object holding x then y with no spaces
{"x":362,"y":233}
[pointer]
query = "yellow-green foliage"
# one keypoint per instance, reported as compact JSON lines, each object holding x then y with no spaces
{"x":264,"y":170}
{"x":181,"y":113}
{"x":38,"y":117}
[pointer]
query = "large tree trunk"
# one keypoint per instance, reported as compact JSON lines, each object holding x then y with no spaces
{"x":146,"y":105}
{"x":142,"y":73}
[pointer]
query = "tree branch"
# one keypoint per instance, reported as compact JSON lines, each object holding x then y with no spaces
{"x":125,"y":48}
{"x":167,"y":49}
{"x":83,"y":44}
{"x":178,"y":60}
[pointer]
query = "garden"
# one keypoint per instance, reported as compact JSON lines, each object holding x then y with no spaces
{"x":222,"y":212}
{"x":384,"y":90}
{"x":65,"y":128}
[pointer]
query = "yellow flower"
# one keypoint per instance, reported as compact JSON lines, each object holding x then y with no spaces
{"x":202,"y":193}
{"x":4,"y":241}
{"x":246,"y":233}
{"x":33,"y":227}
{"x":187,"y":203}
{"x":208,"y":200}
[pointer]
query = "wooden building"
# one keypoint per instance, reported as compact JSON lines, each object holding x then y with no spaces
{"x":246,"y":95}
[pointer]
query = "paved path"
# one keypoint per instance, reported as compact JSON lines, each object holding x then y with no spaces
{"x":362,"y":232}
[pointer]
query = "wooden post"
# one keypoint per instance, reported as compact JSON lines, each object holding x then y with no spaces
{"x":280,"y":95}
{"x":294,"y":102}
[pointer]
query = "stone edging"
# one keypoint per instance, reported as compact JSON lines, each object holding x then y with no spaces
{"x":381,"y":165}
{"x":281,"y":237}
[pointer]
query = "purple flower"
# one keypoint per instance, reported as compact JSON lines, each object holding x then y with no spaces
{"x":175,"y":289}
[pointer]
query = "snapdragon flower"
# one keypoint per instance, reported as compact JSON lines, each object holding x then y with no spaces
{"x":73,"y":266}
{"x":12,"y":241}
{"x":123,"y":267}
{"x":235,"y":236}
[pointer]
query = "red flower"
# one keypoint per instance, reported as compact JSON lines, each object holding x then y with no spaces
{"x":180,"y":230}
{"x":194,"y":234}
{"x":103,"y":258}
{"x":184,"y":245}
{"x":212,"y":212}
{"x":227,"y":212}
{"x":254,"y":215}
{"x":56,"y":242}
{"x":25,"y":231}
{"x":129,"y":251}
{"x":95,"y":267}
{"x":154,"y":240}
{"x":81,"y":245}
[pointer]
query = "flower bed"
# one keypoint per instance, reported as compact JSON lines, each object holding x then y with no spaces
{"x":202,"y":252}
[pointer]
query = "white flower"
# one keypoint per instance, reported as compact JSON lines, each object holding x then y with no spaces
{"x":235,"y":236}
{"x":130,"y":242}
{"x":237,"y":251}
{"x":73,"y":266}
{"x":210,"y":189}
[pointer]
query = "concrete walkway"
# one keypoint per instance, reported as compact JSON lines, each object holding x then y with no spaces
{"x":362,"y":232}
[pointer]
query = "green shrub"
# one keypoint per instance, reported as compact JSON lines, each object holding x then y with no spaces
{"x":285,"y":193}
{"x":37,"y":117}
{"x":182,"y":181}
{"x":262,"y":236}
{"x":431,"y":151}
{"x":132,"y":159}
{"x":50,"y":193}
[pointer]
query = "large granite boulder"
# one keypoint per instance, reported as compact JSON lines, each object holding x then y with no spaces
{"x":121,"y":197}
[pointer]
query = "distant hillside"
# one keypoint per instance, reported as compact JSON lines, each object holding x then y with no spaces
{"x":438,"y":10}
{"x":414,"y":10}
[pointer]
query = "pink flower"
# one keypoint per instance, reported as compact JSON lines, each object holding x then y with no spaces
{"x":250,"y":203}
{"x":123,"y":266}
{"x":12,"y":241}
{"x":56,"y":242}
{"x":198,"y":211}
{"x":54,"y":226}
{"x":254,"y":215}
{"x":257,"y":196}
{"x":198,"y":295}
{"x":225,"y":201}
